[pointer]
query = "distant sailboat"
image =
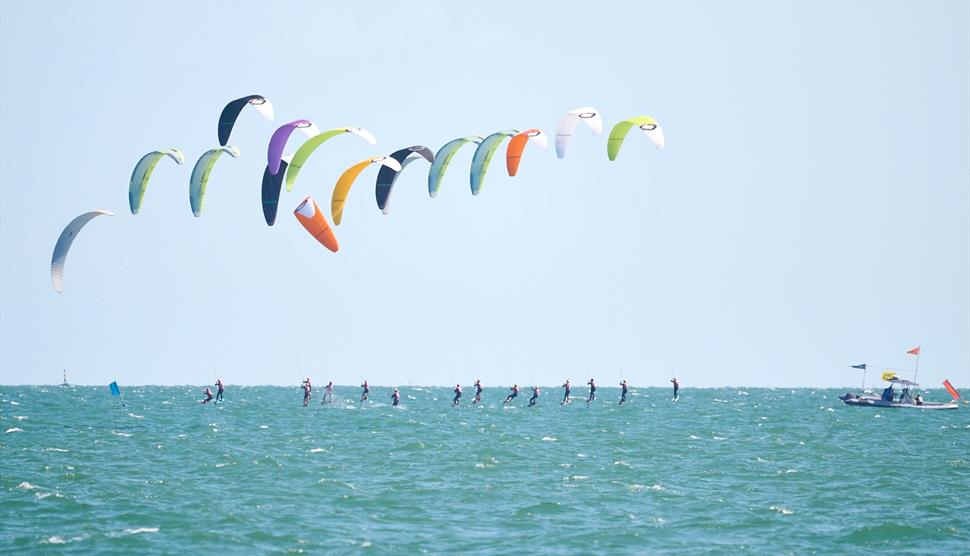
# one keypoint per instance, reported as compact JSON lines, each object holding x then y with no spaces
{"x":65,"y":383}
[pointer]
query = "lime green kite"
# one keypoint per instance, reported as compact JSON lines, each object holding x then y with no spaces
{"x":648,"y":125}
{"x":311,"y":144}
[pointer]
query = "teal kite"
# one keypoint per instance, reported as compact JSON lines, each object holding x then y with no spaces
{"x":143,"y":171}
{"x":200,"y":176}
{"x":443,"y":158}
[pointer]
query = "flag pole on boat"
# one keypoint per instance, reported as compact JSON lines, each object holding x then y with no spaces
{"x":915,"y":351}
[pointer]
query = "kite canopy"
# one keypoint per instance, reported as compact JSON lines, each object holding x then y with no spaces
{"x":231,"y":111}
{"x":277,"y":143}
{"x":272,"y":185}
{"x":386,"y":176}
{"x":513,"y":154}
{"x":346,"y":180}
{"x":64,"y":245}
{"x":200,"y":176}
{"x":648,"y":125}
{"x":143,"y":171}
{"x":443,"y":159}
{"x":307,"y":148}
{"x":483,"y":157}
{"x":567,"y":126}
{"x":309,"y":214}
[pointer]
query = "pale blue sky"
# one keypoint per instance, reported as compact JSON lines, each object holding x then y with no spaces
{"x":811,"y":209}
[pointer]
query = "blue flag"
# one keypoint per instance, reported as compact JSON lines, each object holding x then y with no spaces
{"x":862,"y":366}
{"x":115,"y":391}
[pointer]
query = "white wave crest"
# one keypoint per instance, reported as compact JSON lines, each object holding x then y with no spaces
{"x":141,"y":530}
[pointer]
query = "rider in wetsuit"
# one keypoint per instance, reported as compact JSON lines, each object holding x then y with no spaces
{"x":592,"y":391}
{"x":457,"y":395}
{"x":535,"y":396}
{"x":623,"y":393}
{"x":515,"y":392}
{"x":363,"y":396}
{"x":306,"y":391}
{"x":565,"y":398}
{"x":478,"y":391}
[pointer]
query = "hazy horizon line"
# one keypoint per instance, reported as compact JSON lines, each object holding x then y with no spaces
{"x":576,"y":386}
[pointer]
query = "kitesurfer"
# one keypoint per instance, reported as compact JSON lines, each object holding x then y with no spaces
{"x":363,"y":396}
{"x":307,"y":387}
{"x":221,"y":389}
{"x":515,"y":392}
{"x":208,"y":395}
{"x":565,"y":398}
{"x":592,"y":391}
{"x":328,"y":393}
{"x":395,"y":398}
{"x":478,"y":391}
{"x":535,"y":396}
{"x":623,"y":393}
{"x":676,"y":388}
{"x":457,"y":395}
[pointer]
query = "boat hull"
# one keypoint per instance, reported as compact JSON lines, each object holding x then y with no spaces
{"x":866,"y":401}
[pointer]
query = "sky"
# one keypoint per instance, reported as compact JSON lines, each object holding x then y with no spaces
{"x":810,"y":210}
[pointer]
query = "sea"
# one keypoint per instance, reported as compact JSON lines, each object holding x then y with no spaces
{"x":730,"y":470}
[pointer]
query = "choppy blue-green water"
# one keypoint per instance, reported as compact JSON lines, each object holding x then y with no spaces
{"x":756,"y":470}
